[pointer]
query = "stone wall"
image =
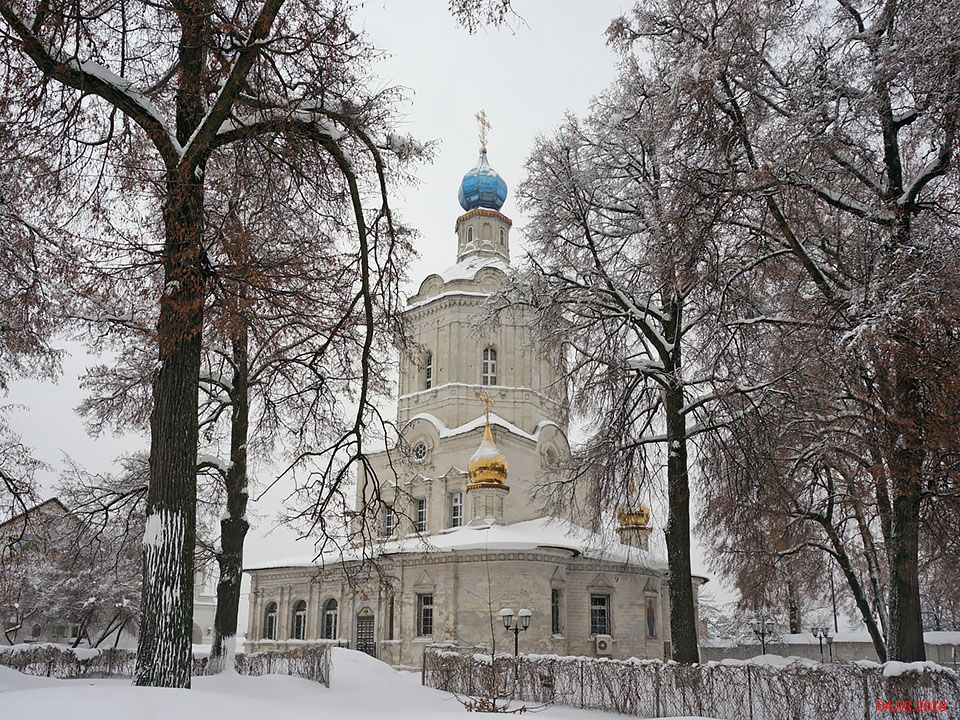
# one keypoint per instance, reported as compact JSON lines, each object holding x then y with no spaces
{"x":469,"y":588}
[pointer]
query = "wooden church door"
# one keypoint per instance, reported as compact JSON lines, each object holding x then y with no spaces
{"x":365,"y":639}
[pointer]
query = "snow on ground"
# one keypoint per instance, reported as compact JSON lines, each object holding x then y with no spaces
{"x":362,"y":688}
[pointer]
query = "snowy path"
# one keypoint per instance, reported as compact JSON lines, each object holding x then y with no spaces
{"x":361,"y":688}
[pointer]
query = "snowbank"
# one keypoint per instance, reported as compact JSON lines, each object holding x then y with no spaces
{"x":11,"y":679}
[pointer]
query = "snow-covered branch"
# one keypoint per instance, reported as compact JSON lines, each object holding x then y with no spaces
{"x":88,"y":76}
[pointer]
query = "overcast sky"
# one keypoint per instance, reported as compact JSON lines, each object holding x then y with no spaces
{"x":552,"y":61}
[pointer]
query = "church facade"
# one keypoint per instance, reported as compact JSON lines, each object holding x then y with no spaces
{"x":458,"y":534}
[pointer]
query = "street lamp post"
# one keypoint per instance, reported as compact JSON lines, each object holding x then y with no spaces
{"x":821,"y":634}
{"x":763,"y":629}
{"x":523,"y":622}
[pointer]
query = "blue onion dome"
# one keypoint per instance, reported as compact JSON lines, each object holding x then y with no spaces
{"x":482,"y":186}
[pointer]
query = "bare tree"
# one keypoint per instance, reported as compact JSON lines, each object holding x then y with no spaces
{"x":34,"y":264}
{"x":840,"y":121}
{"x":286,"y":341}
{"x":143,"y":96}
{"x":634,"y":265}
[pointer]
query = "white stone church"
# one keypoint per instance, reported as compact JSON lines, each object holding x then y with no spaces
{"x":460,"y":534}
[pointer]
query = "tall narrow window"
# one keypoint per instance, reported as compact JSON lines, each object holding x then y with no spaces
{"x":489,"y":368}
{"x":456,"y":510}
{"x":599,"y":614}
{"x":470,"y":234}
{"x":328,"y":630}
{"x":299,"y":627}
{"x":502,"y":237}
{"x":556,"y":597}
{"x":390,"y":608}
{"x":422,"y":515}
{"x":428,"y":371}
{"x":270,"y":622}
{"x":425,"y":615}
{"x":389,"y":520}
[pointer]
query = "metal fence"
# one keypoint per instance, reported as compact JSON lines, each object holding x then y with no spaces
{"x":312,"y":663}
{"x":731,"y":690}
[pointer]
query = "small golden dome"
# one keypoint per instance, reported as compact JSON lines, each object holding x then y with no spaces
{"x":487,"y":466}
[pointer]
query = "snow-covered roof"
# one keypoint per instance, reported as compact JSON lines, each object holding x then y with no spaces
{"x":543,"y":532}
{"x":930,"y":637}
{"x":464,"y":270}
{"x":444,"y":432}
{"x":942,"y":637}
{"x":51,"y":504}
{"x":449,"y":293}
{"x":468,"y":269}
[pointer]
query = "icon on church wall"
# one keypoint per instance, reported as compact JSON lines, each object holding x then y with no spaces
{"x":651,"y":617}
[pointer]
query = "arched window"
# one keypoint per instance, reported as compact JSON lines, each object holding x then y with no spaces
{"x":299,"y":631}
{"x":502,"y":238}
{"x":470,"y":234}
{"x":329,"y":629}
{"x":270,"y":622}
{"x":489,"y":369}
{"x":428,"y":371}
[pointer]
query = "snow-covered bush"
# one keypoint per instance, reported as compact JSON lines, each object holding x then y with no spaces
{"x":765,"y":688}
{"x":61,"y":661}
{"x":311,"y":662}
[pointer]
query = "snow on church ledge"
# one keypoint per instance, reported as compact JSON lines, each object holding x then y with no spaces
{"x":445,"y":432}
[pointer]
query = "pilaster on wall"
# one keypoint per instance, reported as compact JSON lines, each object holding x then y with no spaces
{"x":283,"y":619}
{"x":313,"y":612}
{"x":255,"y":630}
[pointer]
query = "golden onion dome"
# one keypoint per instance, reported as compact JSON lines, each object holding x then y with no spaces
{"x":487,"y":466}
{"x":634,"y":513}
{"x":635,"y":517}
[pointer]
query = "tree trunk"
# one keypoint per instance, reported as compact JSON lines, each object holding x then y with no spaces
{"x":906,"y":622}
{"x":164,"y":652}
{"x":115,"y":625}
{"x":873,"y":569}
{"x":793,"y":607}
{"x":233,"y":527}
{"x":164,"y":647}
{"x":683,"y":616}
{"x":859,"y":596}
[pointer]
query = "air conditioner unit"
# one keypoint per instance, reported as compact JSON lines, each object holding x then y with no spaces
{"x":603,"y":645}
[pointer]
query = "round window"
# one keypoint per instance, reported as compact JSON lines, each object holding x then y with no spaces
{"x":420,"y":450}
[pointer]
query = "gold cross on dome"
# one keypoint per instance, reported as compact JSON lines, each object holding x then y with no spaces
{"x":484,"y":129}
{"x":487,"y":402}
